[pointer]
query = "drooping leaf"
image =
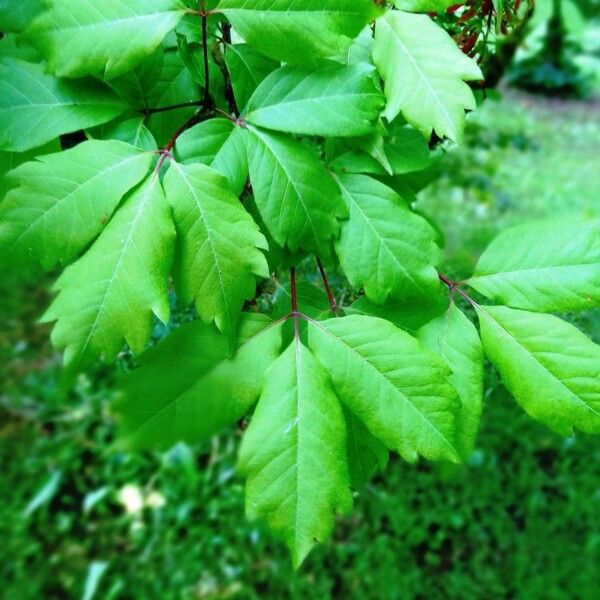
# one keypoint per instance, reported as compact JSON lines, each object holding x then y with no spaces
{"x":453,"y":337}
{"x":189,"y":387}
{"x":366,"y":454}
{"x":108,"y":296}
{"x":384,"y":247}
{"x":293,"y":453}
{"x":295,"y":32}
{"x":395,"y":386}
{"x":549,"y":366}
{"x":296,"y":197}
{"x":549,"y":266}
{"x":218,"y":246}
{"x":247,"y":69}
{"x":35,"y":108}
{"x":333,"y":100}
{"x":107,"y":39}
{"x":424,"y":73}
{"x":64,"y":200}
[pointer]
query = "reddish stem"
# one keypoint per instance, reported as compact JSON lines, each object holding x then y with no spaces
{"x":454,"y":286}
{"x":332,"y":302}
{"x":294,"y":300}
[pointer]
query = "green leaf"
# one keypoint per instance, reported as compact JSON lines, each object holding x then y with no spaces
{"x":218,"y":246}
{"x":333,"y":100}
{"x":295,"y":195}
{"x":549,"y":366}
{"x":312,"y":301}
{"x":83,"y":37}
{"x":454,"y":338}
{"x":549,"y":266}
{"x":295,"y":32}
{"x":36,"y":108}
{"x":396,"y":387}
{"x":110,"y":293}
{"x":384,"y":247}
{"x":247,"y":69}
{"x":405,"y":314}
{"x":132,"y":131}
{"x":366,"y":454}
{"x":423,"y":70}
{"x":136,"y":85}
{"x":424,"y":6}
{"x":65,"y":199}
{"x":15,"y":15}
{"x":219,"y":144}
{"x":189,"y":387}
{"x":293,"y":453}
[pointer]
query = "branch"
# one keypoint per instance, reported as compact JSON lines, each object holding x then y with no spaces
{"x":332,"y":302}
{"x":190,"y":104}
{"x":203,"y":15}
{"x":454,"y":286}
{"x":294,"y":300}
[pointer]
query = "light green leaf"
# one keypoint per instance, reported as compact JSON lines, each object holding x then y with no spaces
{"x":423,"y":6}
{"x":424,"y":73}
{"x":396,"y":387}
{"x":132,"y":131}
{"x":293,"y":453}
{"x":292,"y":31}
{"x":453,"y":337}
{"x":15,"y":15}
{"x":549,"y":366}
{"x":65,"y":199}
{"x":232,"y":160}
{"x":295,"y":195}
{"x":549,"y":266}
{"x":366,"y":454}
{"x":35,"y":108}
{"x":218,"y":246}
{"x":189,"y":387}
{"x":136,"y":84}
{"x":247,"y":69}
{"x":384,"y":247}
{"x":110,"y":293}
{"x":107,"y":39}
{"x":333,"y":100}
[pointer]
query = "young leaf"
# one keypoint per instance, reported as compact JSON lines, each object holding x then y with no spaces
{"x":296,"y":197}
{"x":84,"y":37}
{"x":366,"y":454}
{"x":333,"y":100}
{"x":189,"y":387}
{"x":396,"y":387}
{"x":293,"y":453}
{"x":549,"y":266}
{"x":65,"y":199}
{"x":384,"y":246}
{"x":110,"y":293}
{"x":549,"y":366}
{"x":218,"y":245}
{"x":247,"y":69}
{"x":292,"y":31}
{"x":35,"y":108}
{"x":453,"y":337}
{"x":424,"y":73}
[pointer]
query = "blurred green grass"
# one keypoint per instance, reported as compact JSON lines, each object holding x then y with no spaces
{"x":519,"y":521}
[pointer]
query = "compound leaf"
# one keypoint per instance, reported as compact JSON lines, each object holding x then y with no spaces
{"x":424,"y":73}
{"x":550,"y":266}
{"x":453,"y":337}
{"x":295,"y":195}
{"x":189,"y":387}
{"x":106,"y":39}
{"x":292,"y":31}
{"x":218,"y":245}
{"x":333,"y":100}
{"x":395,"y":386}
{"x":294,"y":453}
{"x":549,"y":366}
{"x":110,"y":293}
{"x":65,"y":199}
{"x":35,"y":108}
{"x":384,"y":246}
